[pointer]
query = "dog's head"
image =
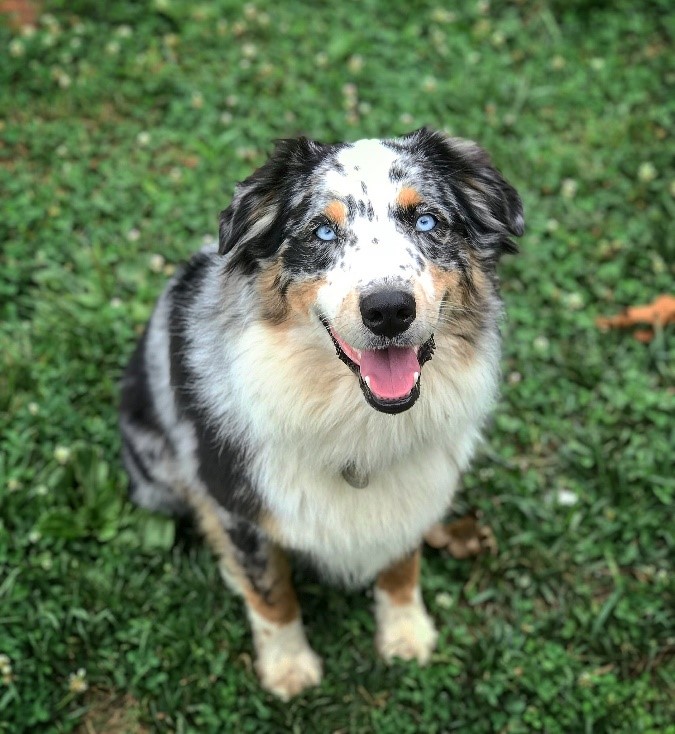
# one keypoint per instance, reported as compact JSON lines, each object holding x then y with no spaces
{"x":385,"y":242}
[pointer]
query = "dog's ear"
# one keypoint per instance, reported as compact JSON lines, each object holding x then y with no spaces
{"x":491,"y":208}
{"x":253,"y":227}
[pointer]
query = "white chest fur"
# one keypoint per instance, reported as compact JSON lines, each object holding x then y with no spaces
{"x":351,"y":533}
{"x":305,"y":419}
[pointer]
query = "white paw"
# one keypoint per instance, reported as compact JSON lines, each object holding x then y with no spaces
{"x":285,"y":664}
{"x":403,"y":630}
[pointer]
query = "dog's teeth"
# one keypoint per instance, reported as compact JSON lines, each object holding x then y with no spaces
{"x":358,"y":354}
{"x":416,"y":376}
{"x":366,"y":379}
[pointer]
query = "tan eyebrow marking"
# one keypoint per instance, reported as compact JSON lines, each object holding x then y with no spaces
{"x":336,"y":211}
{"x":408,"y":196}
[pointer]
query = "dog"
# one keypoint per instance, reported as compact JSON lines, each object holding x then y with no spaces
{"x":316,"y":382}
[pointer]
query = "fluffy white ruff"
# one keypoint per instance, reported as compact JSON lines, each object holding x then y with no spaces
{"x":404,"y":631}
{"x":285,"y":663}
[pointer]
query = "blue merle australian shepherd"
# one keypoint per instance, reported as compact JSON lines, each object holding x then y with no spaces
{"x":317,"y":383}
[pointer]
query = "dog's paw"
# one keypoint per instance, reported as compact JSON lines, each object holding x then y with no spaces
{"x":286,"y":664}
{"x":403,"y":630}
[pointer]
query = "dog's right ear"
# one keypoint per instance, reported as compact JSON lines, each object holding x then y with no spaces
{"x":253,"y":227}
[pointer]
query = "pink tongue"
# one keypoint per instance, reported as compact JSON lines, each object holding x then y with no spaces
{"x":391,"y":371}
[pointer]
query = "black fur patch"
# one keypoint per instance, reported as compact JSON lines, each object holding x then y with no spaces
{"x":221,"y":468}
{"x":267,"y":193}
{"x":136,"y":401}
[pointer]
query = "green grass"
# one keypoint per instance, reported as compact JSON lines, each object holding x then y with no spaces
{"x":123,"y":127}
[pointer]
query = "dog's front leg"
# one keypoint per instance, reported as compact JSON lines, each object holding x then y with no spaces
{"x":404,"y":629}
{"x":256,"y":569}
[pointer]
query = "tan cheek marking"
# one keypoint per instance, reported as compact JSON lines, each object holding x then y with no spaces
{"x":444,"y":280}
{"x":400,"y":580}
{"x":462,"y":313}
{"x":273,"y":306}
{"x":336,"y":211}
{"x":302,"y":296}
{"x":408,"y":196}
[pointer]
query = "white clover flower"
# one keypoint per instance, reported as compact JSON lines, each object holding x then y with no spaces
{"x":112,"y":48}
{"x":514,"y":378}
{"x":406,"y":118}
{"x":143,"y":138}
{"x":429,"y":84}
{"x":569,"y":188}
{"x":62,"y":454}
{"x":552,"y":225}
{"x":115,"y":302}
{"x":321,"y":59}
{"x":33,"y":408}
{"x":34,"y":536}
{"x":62,"y":79}
{"x":133,"y":235}
{"x":249,"y":50}
{"x":350,"y":90}
{"x":541,"y":343}
{"x":13,"y":485}
{"x":444,"y":600}
{"x":77,"y":682}
{"x":566,"y":498}
{"x":498,"y":39}
{"x":197,"y":100}
{"x":157,"y":263}
{"x":558,"y":62}
{"x":124,"y":31}
{"x":573,"y":301}
{"x":647,"y":172}
{"x":16,"y":48}
{"x":441,"y":15}
{"x":226,"y":118}
{"x":355,"y":63}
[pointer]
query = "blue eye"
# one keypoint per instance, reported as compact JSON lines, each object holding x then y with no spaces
{"x":425,"y":223}
{"x":325,"y":233}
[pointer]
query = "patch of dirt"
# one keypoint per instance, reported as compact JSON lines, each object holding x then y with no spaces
{"x":111,"y":713}
{"x":21,"y":12}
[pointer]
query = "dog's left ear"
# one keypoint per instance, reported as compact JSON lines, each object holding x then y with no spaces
{"x":253,"y":227}
{"x":491,"y":207}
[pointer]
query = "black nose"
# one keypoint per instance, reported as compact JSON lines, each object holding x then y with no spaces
{"x":388,"y":312}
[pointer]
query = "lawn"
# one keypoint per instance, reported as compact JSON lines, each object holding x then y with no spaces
{"x":123,"y":128}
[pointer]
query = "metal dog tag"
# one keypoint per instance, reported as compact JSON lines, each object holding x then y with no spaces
{"x":351,"y":475}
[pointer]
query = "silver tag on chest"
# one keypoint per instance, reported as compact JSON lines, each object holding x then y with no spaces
{"x":353,"y":476}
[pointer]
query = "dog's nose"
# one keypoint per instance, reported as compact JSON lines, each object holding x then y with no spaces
{"x":388,"y":312}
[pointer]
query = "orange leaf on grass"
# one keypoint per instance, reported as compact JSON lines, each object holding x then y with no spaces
{"x":660,"y":311}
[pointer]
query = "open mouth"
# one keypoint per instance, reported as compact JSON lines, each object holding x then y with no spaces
{"x":390,"y":377}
